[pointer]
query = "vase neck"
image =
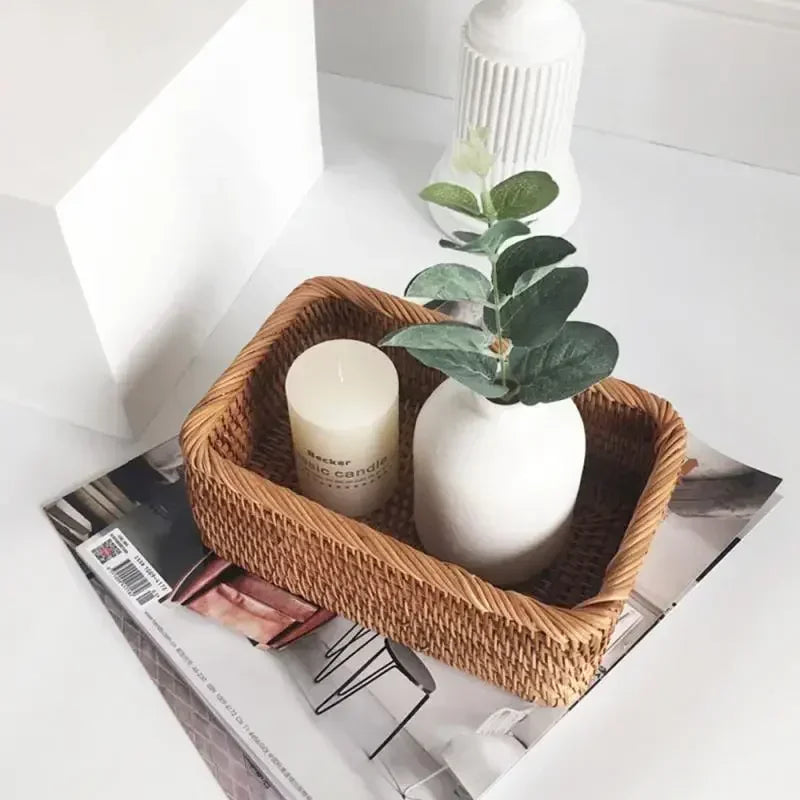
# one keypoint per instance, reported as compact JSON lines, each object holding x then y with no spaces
{"x":499,"y":411}
{"x":525,"y":31}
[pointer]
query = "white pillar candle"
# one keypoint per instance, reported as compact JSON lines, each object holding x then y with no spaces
{"x":343,"y":408}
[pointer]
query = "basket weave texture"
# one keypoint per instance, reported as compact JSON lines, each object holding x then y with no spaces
{"x":544,"y":640}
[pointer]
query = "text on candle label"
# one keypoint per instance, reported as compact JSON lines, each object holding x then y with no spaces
{"x":362,"y":472}
{"x":327,"y":460}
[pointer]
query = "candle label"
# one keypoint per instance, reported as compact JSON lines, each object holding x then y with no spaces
{"x":343,"y":473}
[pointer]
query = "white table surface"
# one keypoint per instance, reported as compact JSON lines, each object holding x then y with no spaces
{"x":693,"y":264}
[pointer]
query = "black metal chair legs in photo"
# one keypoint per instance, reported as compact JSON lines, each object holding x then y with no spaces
{"x":336,"y":651}
{"x":400,"y":658}
{"x":350,"y":636}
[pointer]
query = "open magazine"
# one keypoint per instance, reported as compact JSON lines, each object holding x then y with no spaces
{"x":286,"y":699}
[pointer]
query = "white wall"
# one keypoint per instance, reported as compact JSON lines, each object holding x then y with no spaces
{"x":715,"y":76}
{"x":74,"y":74}
{"x":780,"y":11}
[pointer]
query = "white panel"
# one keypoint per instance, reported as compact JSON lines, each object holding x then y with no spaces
{"x":655,"y":70}
{"x":165,"y":229}
{"x":50,"y":356}
{"x":109,"y":291}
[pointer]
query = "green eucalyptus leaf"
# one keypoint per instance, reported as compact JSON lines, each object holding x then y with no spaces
{"x":527,"y":279}
{"x":460,"y":351}
{"x":491,"y":240}
{"x":580,"y":355}
{"x":450,"y":282}
{"x":476,"y":371}
{"x":440,"y":336}
{"x":451,"y":195}
{"x":523,"y":194}
{"x":463,"y":236}
{"x":529,"y":256}
{"x":535,"y":316}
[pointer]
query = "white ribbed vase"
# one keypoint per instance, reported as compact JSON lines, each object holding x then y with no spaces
{"x":519,"y":75}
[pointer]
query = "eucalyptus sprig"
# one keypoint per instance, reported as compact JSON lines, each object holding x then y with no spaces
{"x":526,"y":350}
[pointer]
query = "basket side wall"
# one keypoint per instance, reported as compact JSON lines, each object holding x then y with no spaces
{"x":417,"y":613}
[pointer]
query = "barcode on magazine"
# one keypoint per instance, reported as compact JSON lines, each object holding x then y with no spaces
{"x":127,"y":574}
{"x":114,"y":553}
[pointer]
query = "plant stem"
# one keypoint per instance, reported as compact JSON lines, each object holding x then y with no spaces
{"x":497,"y":321}
{"x":491,"y":214}
{"x":487,"y":206}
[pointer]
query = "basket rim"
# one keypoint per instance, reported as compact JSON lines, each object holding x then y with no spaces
{"x":582,"y":623}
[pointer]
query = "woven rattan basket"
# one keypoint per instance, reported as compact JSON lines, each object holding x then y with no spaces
{"x":543,"y":641}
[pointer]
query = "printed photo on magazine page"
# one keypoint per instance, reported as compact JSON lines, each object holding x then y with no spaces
{"x":285,"y":698}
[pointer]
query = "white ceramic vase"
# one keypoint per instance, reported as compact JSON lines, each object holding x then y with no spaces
{"x":519,"y":74}
{"x":494,"y":485}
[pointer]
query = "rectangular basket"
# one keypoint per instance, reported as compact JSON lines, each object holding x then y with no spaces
{"x":543,"y":641}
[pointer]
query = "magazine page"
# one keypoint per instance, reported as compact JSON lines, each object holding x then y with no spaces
{"x":134,"y":531}
{"x":321,"y":706}
{"x":712,"y":508}
{"x":237,"y":775}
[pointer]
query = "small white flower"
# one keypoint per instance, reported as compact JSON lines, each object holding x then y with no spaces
{"x":472,"y":155}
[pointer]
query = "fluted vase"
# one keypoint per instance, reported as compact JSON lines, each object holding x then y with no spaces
{"x":519,"y":74}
